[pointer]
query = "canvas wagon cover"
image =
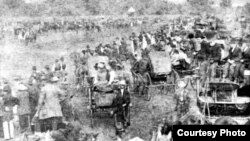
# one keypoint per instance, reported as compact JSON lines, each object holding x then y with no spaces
{"x":161,"y":62}
{"x":96,"y":59}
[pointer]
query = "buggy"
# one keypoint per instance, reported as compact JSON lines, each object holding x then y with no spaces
{"x":159,"y":74}
{"x":106,"y":100}
{"x":222,"y":99}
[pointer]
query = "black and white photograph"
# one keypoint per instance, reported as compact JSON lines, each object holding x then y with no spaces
{"x":123,"y":70}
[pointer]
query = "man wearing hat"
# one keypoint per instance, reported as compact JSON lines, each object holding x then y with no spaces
{"x":23,"y":109}
{"x":33,"y":91}
{"x":202,"y":57}
{"x":234,"y":61}
{"x":56,"y":66}
{"x":49,"y":110}
{"x":88,"y":51}
{"x":47,"y":74}
{"x":34,"y":77}
{"x":215,"y":52}
{"x":245,"y":68}
{"x":141,"y":68}
{"x":122,"y":103}
{"x":7,"y":104}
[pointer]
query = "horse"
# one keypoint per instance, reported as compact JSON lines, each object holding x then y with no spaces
{"x":226,"y":120}
{"x":30,"y":36}
{"x":248,"y":122}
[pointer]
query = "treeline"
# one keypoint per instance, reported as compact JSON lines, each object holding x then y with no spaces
{"x":104,"y":7}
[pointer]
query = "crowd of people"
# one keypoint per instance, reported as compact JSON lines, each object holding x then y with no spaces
{"x":22,"y":103}
{"x":189,"y":42}
{"x":29,"y":30}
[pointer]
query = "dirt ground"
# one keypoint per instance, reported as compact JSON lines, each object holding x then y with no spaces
{"x":17,"y":59}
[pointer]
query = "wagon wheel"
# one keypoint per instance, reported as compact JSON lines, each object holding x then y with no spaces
{"x":146,"y":92}
{"x":127,"y":116}
{"x":135,"y":82}
{"x":241,"y":106}
{"x":91,"y":111}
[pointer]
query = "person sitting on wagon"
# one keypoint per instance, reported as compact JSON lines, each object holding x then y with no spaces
{"x":234,"y":61}
{"x":102,"y":81}
{"x":245,"y":68}
{"x":180,"y":59}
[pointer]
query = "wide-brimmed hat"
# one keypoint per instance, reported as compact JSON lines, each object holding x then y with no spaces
{"x":101,"y":65}
{"x":21,"y":87}
{"x":54,"y":79}
{"x":122,"y":82}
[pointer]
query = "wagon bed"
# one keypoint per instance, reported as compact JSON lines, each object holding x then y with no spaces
{"x":161,"y":63}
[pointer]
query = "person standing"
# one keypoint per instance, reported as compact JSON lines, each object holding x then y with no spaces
{"x":56,"y":66}
{"x":47,"y":74}
{"x":33,"y":91}
{"x":8,"y":113}
{"x":122,"y":103}
{"x":34,"y":77}
{"x":49,"y":110}
{"x":202,"y":57}
{"x":63,"y":70}
{"x":1,"y":111}
{"x":245,"y":68}
{"x":23,"y":109}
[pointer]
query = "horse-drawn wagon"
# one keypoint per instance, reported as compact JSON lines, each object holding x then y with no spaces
{"x":159,"y":73}
{"x":222,"y":99}
{"x":113,"y":98}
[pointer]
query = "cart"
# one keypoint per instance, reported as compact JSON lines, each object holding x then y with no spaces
{"x":222,"y":99}
{"x":160,"y":75}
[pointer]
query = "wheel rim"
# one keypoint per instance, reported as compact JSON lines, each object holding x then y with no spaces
{"x":241,"y":106}
{"x":149,"y":82}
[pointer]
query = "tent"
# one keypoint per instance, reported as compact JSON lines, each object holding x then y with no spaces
{"x":131,"y":11}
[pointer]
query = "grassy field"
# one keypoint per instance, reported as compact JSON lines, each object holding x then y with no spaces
{"x":17,"y":59}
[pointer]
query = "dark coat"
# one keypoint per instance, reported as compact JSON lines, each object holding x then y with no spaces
{"x":142,"y":66}
{"x":118,"y":104}
{"x":204,"y":52}
{"x":33,"y":97}
{"x":215,"y":52}
{"x":246,"y":54}
{"x":235,"y":54}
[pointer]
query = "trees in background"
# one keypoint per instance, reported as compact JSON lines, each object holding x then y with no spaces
{"x":200,"y":6}
{"x":226,"y":3}
{"x":106,"y":7}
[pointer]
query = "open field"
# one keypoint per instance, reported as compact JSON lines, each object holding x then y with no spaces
{"x":17,"y":59}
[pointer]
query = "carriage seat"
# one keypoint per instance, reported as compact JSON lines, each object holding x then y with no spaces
{"x":103,"y":89}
